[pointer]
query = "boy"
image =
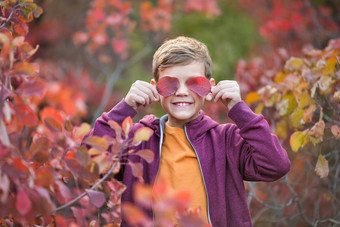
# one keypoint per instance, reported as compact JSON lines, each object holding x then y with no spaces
{"x":191,"y":150}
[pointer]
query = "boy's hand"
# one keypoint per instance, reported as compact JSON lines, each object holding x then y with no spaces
{"x":141,"y":93}
{"x":228,"y":91}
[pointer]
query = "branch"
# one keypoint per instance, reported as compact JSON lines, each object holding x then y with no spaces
{"x":113,"y":78}
{"x":297,"y":200}
{"x":9,"y":18}
{"x":268,"y":205}
{"x":92,"y":188}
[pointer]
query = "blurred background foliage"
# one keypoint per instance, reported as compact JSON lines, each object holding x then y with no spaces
{"x":228,"y":36}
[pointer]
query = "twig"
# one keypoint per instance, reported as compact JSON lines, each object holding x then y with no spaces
{"x":114,"y":76}
{"x":9,"y":18}
{"x":85,"y":193}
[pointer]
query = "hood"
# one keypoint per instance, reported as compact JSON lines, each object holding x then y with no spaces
{"x":195,"y":128}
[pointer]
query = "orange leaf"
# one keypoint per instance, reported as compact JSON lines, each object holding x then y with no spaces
{"x":127,"y":125}
{"x":336,"y":131}
{"x":252,"y":97}
{"x":20,"y":165}
{"x":146,"y":154}
{"x":97,"y":142}
{"x":26,"y":68}
{"x":143,"y":194}
{"x":44,"y":177}
{"x":53,"y":125}
{"x":134,"y":216}
{"x":142,"y":134}
{"x":321,"y":168}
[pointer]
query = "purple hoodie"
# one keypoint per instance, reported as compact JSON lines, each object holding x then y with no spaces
{"x":227,"y":155}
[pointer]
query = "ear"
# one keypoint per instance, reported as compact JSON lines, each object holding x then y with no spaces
{"x":212,"y":82}
{"x":153,"y":82}
{"x":209,"y":96}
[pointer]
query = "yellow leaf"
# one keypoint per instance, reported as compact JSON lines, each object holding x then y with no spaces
{"x":296,"y":140}
{"x":296,"y":118}
{"x":259,"y":108}
{"x":81,"y":130}
{"x":281,"y":129}
{"x":287,"y":105}
{"x":321,"y":168}
{"x":97,"y":143}
{"x":330,"y":67}
{"x":294,"y":64}
{"x":142,"y":134}
{"x":304,"y":100}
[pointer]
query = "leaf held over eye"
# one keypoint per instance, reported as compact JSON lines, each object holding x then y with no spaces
{"x":199,"y":85}
{"x":167,"y":85}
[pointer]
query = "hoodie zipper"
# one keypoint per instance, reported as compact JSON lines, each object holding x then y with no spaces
{"x":199,"y":163}
{"x":161,"y":124}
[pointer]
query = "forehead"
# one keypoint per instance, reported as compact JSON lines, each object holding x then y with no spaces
{"x":184,"y":71}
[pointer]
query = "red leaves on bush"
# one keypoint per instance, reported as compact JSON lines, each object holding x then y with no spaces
{"x":23,"y":203}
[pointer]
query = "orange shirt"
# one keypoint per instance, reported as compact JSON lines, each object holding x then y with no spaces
{"x":179,"y":166}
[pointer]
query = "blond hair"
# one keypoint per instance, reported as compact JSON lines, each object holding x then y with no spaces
{"x":180,"y":51}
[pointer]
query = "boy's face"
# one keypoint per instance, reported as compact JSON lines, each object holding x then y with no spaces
{"x":184,"y":105}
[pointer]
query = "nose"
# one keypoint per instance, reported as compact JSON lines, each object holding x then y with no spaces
{"x":182,"y":90}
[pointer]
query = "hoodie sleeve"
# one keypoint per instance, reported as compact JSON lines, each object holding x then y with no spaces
{"x":118,"y":113}
{"x":261,"y":156}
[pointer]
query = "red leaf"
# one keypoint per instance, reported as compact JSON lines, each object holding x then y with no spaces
{"x":35,"y":87}
{"x":119,"y":45}
{"x":44,"y":177}
{"x":23,"y":203}
{"x":146,"y":154}
{"x":20,"y":165}
{"x":137,"y":169}
{"x":25,"y":114}
{"x":40,"y":149}
{"x":167,"y":85}
{"x":199,"y":85}
{"x":97,"y":198}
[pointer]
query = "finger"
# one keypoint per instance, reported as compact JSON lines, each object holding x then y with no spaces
{"x":149,"y":89}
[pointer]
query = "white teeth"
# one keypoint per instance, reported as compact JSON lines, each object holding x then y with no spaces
{"x":182,"y":104}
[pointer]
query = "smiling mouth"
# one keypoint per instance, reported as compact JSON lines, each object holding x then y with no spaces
{"x":182,"y":104}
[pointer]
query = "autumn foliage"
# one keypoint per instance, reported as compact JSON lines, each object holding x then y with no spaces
{"x":48,"y":176}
